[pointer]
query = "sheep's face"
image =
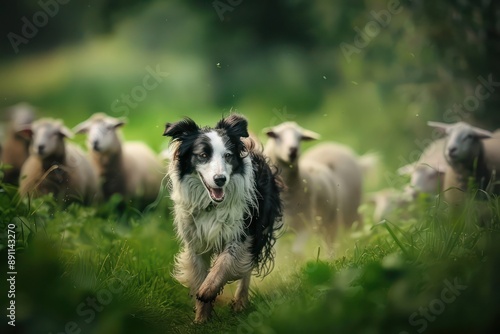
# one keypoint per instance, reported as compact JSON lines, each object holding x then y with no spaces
{"x":102,"y":137}
{"x":212,"y":155}
{"x":287,"y":137}
{"x":464,"y":143}
{"x":425,"y":179}
{"x":101,"y":132}
{"x":48,"y":138}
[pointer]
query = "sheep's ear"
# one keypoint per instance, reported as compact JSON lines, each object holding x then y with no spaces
{"x":65,"y":132}
{"x":270,"y":133}
{"x":180,"y":129}
{"x":442,"y":127}
{"x":235,"y":125}
{"x":309,"y":135}
{"x":481,"y":133}
{"x":83,"y":127}
{"x":406,"y":169}
{"x":117,"y":122}
{"x":25,"y":131}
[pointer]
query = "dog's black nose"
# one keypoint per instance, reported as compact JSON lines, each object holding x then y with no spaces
{"x":41,"y":148}
{"x":95,"y":145}
{"x":219,"y":180}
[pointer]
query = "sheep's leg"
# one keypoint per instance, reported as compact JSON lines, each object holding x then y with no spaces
{"x":329,"y":239}
{"x":233,"y":263}
{"x":240,"y":301}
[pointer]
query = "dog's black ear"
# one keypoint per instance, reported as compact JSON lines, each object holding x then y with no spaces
{"x":182,"y":128}
{"x":235,"y":125}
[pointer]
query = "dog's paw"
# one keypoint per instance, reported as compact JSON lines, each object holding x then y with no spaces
{"x":207,"y":293}
{"x":239,"y":305}
{"x":203,"y":312}
{"x":201,"y":319}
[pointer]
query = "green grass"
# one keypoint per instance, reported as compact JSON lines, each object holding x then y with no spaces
{"x":374,"y":282}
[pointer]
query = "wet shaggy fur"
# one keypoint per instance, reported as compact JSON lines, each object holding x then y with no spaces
{"x":222,"y":240}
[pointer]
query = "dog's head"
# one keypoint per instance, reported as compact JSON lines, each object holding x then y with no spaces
{"x":214,"y":154}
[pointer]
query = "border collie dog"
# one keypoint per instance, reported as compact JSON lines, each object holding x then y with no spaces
{"x":227,"y":209}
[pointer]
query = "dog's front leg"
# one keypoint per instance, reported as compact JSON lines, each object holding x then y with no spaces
{"x":240,"y":301}
{"x":191,"y":270}
{"x":203,"y":311}
{"x":233,"y":263}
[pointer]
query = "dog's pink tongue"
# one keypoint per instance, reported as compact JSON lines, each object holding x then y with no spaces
{"x":217,"y":193}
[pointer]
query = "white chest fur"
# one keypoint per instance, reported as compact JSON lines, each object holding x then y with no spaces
{"x":206,"y":227}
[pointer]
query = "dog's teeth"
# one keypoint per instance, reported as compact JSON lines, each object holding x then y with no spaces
{"x":217,"y":193}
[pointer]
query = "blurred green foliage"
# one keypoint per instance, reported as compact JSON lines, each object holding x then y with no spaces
{"x":258,"y":57}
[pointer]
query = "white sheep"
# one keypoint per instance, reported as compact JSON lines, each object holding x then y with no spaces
{"x":131,"y":168}
{"x":387,"y":201}
{"x":323,"y":186}
{"x":55,"y":166}
{"x":15,"y":148}
{"x":472,"y":154}
{"x":427,"y":173}
{"x":427,"y":177}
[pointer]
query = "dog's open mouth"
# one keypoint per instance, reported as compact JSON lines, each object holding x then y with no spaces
{"x":216,"y":194}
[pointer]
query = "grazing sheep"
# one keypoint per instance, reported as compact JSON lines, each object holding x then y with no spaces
{"x":130,"y":169}
{"x":473,"y":154}
{"x":427,"y":177}
{"x":323,"y":186}
{"x":15,"y":148}
{"x":427,"y":174}
{"x":55,"y":166}
{"x":387,"y":201}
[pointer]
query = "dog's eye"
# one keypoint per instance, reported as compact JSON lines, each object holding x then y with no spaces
{"x":203,"y":156}
{"x":228,"y":156}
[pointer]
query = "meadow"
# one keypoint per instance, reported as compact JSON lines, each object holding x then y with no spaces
{"x":91,"y":270}
{"x":107,"y":268}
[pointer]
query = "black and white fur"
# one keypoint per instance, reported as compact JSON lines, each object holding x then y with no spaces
{"x":227,"y":209}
